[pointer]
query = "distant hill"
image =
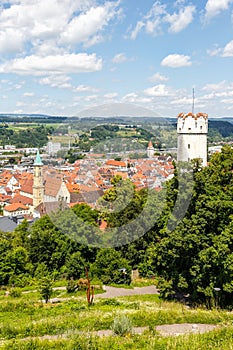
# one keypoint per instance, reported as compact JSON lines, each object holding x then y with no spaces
{"x":224,"y":128}
{"x":118,"y":110}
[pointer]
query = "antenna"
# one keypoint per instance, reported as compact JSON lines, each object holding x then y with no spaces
{"x":193,"y":102}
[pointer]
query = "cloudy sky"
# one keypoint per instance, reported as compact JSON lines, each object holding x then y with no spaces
{"x":61,"y":57}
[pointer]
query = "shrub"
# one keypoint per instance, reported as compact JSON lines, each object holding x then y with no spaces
{"x":71,"y":286}
{"x":45,"y":288}
{"x":122,"y":325}
{"x":82,"y":283}
{"x":110,"y":302}
{"x":15,"y":293}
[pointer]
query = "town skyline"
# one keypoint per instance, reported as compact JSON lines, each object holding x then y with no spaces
{"x":66,"y":58}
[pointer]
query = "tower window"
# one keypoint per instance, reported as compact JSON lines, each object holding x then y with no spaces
{"x":195,"y":124}
{"x":189,"y":128}
{"x":189,"y":146}
{"x":201,"y":127}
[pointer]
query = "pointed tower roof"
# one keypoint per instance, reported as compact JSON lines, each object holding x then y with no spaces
{"x":38,"y":160}
{"x":150,"y":144}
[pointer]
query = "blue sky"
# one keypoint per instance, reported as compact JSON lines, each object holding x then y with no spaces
{"x":61,"y":57}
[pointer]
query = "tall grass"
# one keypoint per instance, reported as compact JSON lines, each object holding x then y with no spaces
{"x":28,"y":318}
{"x":219,"y":339}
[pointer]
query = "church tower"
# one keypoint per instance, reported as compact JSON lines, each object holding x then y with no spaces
{"x":38,"y":187}
{"x":150,"y":150}
{"x":192,"y":130}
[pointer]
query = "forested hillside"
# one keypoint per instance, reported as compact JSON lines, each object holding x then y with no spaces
{"x":194,"y":258}
{"x":31,"y":137}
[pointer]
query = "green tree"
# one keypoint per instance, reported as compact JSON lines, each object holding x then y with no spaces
{"x":111,"y":267}
{"x":46,"y":288}
{"x":75,"y":266}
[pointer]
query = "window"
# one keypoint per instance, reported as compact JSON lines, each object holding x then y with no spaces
{"x":201,"y":127}
{"x":189,"y":146}
{"x":189,"y":128}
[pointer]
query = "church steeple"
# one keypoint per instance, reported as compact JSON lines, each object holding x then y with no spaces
{"x":38,"y":187}
{"x":38,"y":161}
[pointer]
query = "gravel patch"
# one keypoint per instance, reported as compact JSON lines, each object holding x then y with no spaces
{"x":184,"y":328}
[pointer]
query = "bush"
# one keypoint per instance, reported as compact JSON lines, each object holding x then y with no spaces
{"x":82,"y":284}
{"x":122,"y":325}
{"x":45,"y":288}
{"x":110,"y":302}
{"x":71,"y":286}
{"x":15,"y":293}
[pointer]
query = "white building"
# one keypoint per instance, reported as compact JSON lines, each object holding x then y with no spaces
{"x":53,"y":148}
{"x":192,"y":130}
{"x":150,"y":150}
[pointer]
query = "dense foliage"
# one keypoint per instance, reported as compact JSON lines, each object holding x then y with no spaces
{"x":195,"y":257}
{"x":31,"y":137}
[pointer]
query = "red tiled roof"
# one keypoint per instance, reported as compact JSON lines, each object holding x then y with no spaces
{"x":27,"y":186}
{"x":116,"y":163}
{"x":15,"y":206}
{"x":21,"y":199}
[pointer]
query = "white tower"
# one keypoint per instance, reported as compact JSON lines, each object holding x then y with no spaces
{"x":150,"y":150}
{"x":192,"y":130}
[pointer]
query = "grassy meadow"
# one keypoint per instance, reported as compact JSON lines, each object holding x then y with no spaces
{"x":69,"y":323}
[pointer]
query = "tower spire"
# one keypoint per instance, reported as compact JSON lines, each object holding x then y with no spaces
{"x":38,"y":161}
{"x":193,"y":102}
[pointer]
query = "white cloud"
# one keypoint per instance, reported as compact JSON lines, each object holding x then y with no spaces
{"x":157,"y":90}
{"x":214,"y":7}
{"x":137,"y":29}
{"x":28,"y":94}
{"x":85,"y":26}
{"x":60,"y":81}
{"x":135,"y":98}
{"x":215,"y":51}
{"x":131,"y":97}
{"x":111,"y":95}
{"x":182,"y":101}
{"x":157,"y":77}
{"x":91,"y":98}
{"x":215,"y":87}
{"x":57,"y":64}
{"x":176,"y":61}
{"x":228,"y":50}
{"x":65,"y":22}
{"x":119,"y":58}
{"x":179,"y":21}
{"x":83,"y":88}
{"x":11,"y":41}
{"x":154,"y":21}
{"x":151,"y":22}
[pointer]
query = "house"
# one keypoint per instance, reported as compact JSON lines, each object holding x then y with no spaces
{"x":55,"y":188}
{"x":16,"y":209}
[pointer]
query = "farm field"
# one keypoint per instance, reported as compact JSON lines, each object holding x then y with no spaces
{"x":129,"y":322}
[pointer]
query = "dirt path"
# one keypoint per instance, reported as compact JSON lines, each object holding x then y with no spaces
{"x":112,"y":292}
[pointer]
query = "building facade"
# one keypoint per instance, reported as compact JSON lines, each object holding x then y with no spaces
{"x":192,"y":130}
{"x":150,"y":150}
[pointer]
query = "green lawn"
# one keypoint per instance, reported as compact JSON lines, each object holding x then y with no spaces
{"x":27,"y":323}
